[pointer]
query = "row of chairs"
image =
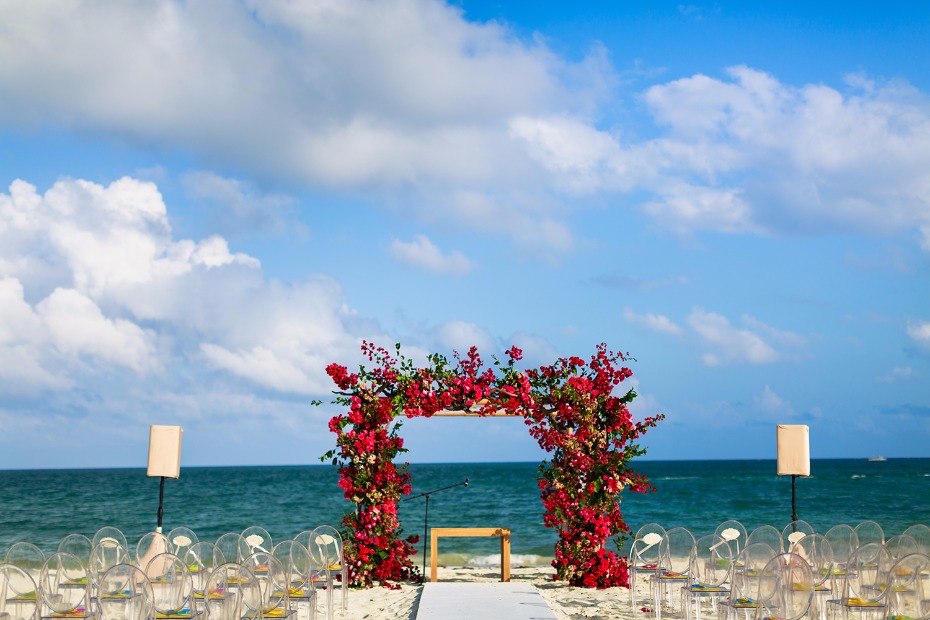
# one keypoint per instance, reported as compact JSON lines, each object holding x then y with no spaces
{"x":849,"y":569}
{"x":174,"y":576}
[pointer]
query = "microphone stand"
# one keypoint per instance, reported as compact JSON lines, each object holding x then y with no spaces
{"x":426,"y":495}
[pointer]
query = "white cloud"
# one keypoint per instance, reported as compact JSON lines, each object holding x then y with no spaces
{"x":461,"y":336}
{"x":655,"y":322}
{"x":236,"y":205}
{"x":900,"y":373}
{"x":732,"y":344}
{"x":773,"y":406}
{"x":421,"y":252}
{"x":919,"y":333}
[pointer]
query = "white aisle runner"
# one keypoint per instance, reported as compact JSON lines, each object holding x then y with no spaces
{"x":457,"y":600}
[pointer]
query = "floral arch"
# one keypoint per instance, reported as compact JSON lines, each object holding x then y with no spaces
{"x":570,"y":410}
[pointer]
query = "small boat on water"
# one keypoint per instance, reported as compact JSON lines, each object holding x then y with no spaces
{"x":876,"y":459}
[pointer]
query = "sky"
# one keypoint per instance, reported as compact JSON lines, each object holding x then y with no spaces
{"x":203,"y":204}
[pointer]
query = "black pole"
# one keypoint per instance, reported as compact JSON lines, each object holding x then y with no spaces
{"x":161,"y":502}
{"x":426,"y":495}
{"x":794,"y":503}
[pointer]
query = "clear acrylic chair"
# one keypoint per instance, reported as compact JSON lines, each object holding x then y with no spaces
{"x":844,"y":542}
{"x":105,"y":555}
{"x":110,"y":535}
{"x":869,"y":532}
{"x":326,"y":552}
{"x":900,"y":546}
{"x":909,"y":595}
{"x":296,"y":559}
{"x":18,"y":593}
{"x":793,"y":532}
{"x":231,"y":591}
{"x":274,"y":585}
{"x":865,"y":584}
{"x":767,"y":534}
{"x":180,"y":540}
{"x":172,"y":587}
{"x":743,"y":599}
{"x":124,"y":593}
{"x":232,"y":546}
{"x":786,"y":588}
{"x":675,"y":560}
{"x":201,"y":558}
{"x":734,"y":533}
{"x":644,"y":555}
{"x":77,"y":545}
{"x":817,"y":552}
{"x":708,"y":575}
{"x":65,"y":586}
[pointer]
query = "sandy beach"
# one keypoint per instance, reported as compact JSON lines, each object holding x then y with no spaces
{"x":566,"y":602}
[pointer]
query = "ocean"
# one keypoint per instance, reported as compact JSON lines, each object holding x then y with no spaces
{"x":42,"y":506}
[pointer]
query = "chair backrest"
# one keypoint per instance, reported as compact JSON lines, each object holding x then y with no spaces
{"x":793,"y":532}
{"x":786,"y":587}
{"x":232,"y":546}
{"x":77,"y":545}
{"x":645,"y":549}
{"x":180,"y":540}
{"x":867,"y":573}
{"x":105,"y":555}
{"x":257,"y":539}
{"x":124,"y":592}
{"x":296,"y":560}
{"x":326,"y":547}
{"x":150,"y":545}
{"x":18,"y":593}
{"x":172,"y":585}
{"x":65,"y":583}
{"x":767,"y":534}
{"x":201,"y":558}
{"x":900,"y":546}
{"x":816,"y":550}
{"x":844,"y":542}
{"x":675,"y":550}
{"x":750,"y":564}
{"x":869,"y":532}
{"x":734,"y":533}
{"x":273,"y":581}
{"x":909,"y":591}
{"x":710,"y":562}
{"x":230,"y":591}
{"x":26,"y":556}
{"x":109,"y":534}
{"x":921,"y":534}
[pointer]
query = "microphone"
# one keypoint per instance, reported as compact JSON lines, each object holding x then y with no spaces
{"x":466,"y":482}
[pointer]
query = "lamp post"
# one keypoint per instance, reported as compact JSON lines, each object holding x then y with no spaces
{"x":426,"y":495}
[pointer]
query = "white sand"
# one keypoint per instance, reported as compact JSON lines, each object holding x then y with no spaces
{"x":566,"y":602}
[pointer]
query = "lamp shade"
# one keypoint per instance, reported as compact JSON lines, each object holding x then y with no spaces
{"x":165,"y":451}
{"x":794,"y":450}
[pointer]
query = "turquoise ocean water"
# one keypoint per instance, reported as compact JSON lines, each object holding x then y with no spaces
{"x":43,"y":506}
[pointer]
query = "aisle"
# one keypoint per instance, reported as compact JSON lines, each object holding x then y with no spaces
{"x":465,"y":600}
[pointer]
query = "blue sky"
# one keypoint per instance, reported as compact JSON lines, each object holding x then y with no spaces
{"x":202,"y":204}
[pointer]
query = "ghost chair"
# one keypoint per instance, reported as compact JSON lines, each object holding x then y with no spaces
{"x":769,"y":535}
{"x":644,"y":555}
{"x":844,"y":542}
{"x":869,"y":532}
{"x":675,"y":550}
{"x":201,"y":558}
{"x":273,"y":583}
{"x":817,"y":552}
{"x":909,"y":590}
{"x":327,"y":555}
{"x":708,"y":575}
{"x":180,"y":540}
{"x":77,"y":545}
{"x":65,"y":587}
{"x":864,"y":593}
{"x":172,"y":586}
{"x":110,"y":535}
{"x":748,"y":569}
{"x":125,"y":593}
{"x":786,"y":588}
{"x":18,"y":593}
{"x":105,"y":555}
{"x":900,"y":546}
{"x":734,"y":533}
{"x":795,"y":531}
{"x":296,"y":559}
{"x":920,"y":533}
{"x":230,"y":591}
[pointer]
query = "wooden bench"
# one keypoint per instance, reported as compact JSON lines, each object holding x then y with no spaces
{"x":501,"y":532}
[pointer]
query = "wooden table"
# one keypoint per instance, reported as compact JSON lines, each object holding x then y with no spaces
{"x":501,"y":532}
